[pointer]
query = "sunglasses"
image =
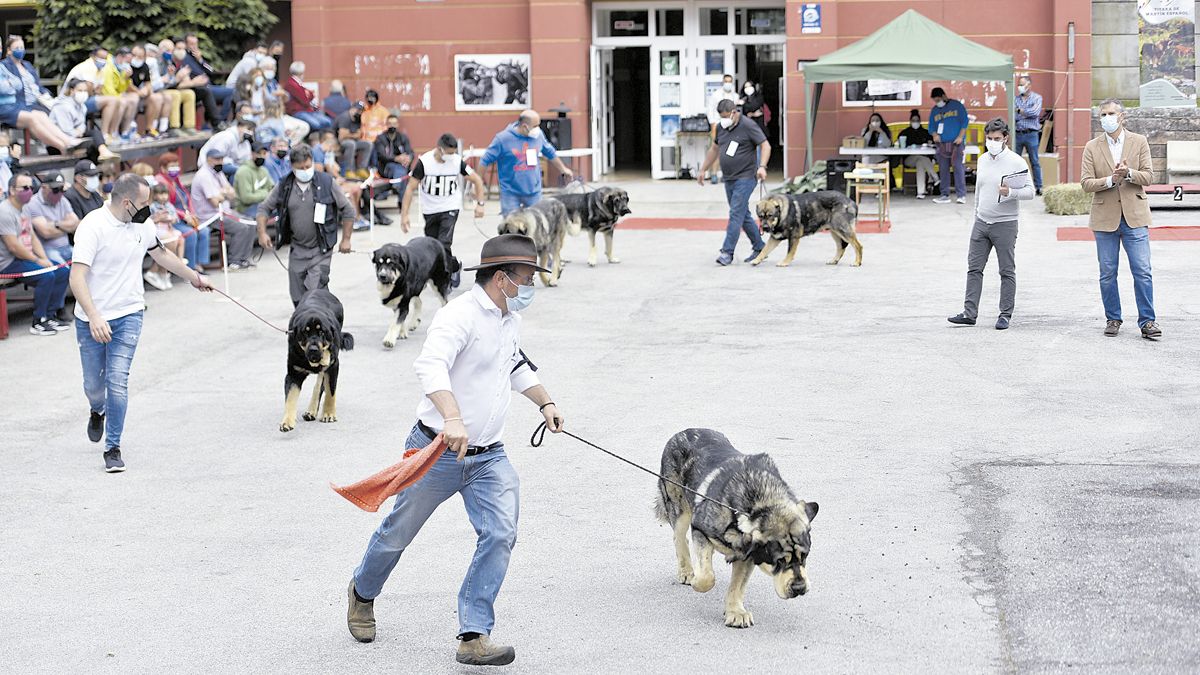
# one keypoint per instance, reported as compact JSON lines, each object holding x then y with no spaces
{"x":24,"y":188}
{"x":56,"y":190}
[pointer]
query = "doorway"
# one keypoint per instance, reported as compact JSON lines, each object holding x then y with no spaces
{"x":631,"y":108}
{"x":762,"y":64}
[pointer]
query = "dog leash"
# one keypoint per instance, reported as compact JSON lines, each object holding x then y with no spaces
{"x":539,"y":435}
{"x":252,"y":312}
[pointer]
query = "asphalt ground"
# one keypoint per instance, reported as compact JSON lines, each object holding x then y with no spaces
{"x":1026,"y":500}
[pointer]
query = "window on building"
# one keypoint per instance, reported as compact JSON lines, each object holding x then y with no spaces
{"x":668,"y":22}
{"x":623,"y":23}
{"x":714,"y":21}
{"x":760,"y":21}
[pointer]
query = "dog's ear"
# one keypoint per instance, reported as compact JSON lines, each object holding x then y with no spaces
{"x":810,"y":510}
{"x":750,"y":527}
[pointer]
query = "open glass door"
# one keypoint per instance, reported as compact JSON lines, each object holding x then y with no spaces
{"x":602,"y":111}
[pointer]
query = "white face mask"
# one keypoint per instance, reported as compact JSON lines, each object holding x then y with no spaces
{"x":994,"y":147}
{"x":304,"y":175}
{"x":81,"y":97}
{"x":1110,"y":123}
{"x":5,"y":153}
{"x":449,"y":157}
{"x":138,"y":63}
{"x":749,"y":91}
{"x":258,"y":80}
{"x":92,"y":183}
{"x":269,"y":74}
{"x":941,"y":104}
{"x":915,"y":125}
{"x":1024,"y":89}
{"x":874,"y":124}
{"x":726,"y":122}
{"x":728,"y":86}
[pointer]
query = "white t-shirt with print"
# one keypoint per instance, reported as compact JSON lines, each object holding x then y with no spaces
{"x":113,"y":252}
{"x":441,"y":182}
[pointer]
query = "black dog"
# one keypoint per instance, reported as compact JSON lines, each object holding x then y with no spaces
{"x":314,"y":338}
{"x":598,"y":211}
{"x":402,"y":272}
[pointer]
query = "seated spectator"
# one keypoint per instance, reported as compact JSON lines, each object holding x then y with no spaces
{"x":110,"y":108}
{"x":275,"y":51}
{"x":327,"y":151}
{"x":277,"y":125}
{"x":10,"y":161}
{"x":163,"y":216}
{"x":154,"y":102}
{"x":196,"y":81}
{"x":273,"y":88}
{"x":300,"y":102}
{"x":38,"y":123}
{"x":278,"y":165}
{"x":172,"y":99}
{"x":211,"y":196}
{"x":21,"y":251}
{"x":374,"y":117}
{"x":33,"y":95}
{"x":252,"y":90}
{"x":393,"y":151}
{"x":109,"y":172}
{"x":876,"y":135}
{"x":181,"y":106}
{"x":356,"y":150}
{"x":53,"y":220}
{"x":118,"y":82}
{"x":69,"y":114}
{"x":194,"y":59}
{"x":84,"y":194}
{"x":196,"y":236}
{"x":916,"y":135}
{"x":234,"y":144}
{"x":145,"y":171}
{"x":252,"y":182}
{"x":245,"y":66}
{"x":336,"y":102}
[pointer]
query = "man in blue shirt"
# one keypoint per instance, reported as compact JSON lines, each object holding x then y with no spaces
{"x":1029,"y":126}
{"x":948,"y":124}
{"x":515,"y":152}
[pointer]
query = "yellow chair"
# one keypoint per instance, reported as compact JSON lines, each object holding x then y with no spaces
{"x":872,"y":179}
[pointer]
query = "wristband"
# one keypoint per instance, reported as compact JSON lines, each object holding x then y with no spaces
{"x":452,"y":419}
{"x":545,"y":405}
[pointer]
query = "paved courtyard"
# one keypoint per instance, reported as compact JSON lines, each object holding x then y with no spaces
{"x":1026,"y":500}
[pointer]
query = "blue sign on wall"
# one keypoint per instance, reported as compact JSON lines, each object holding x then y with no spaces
{"x":810,"y":17}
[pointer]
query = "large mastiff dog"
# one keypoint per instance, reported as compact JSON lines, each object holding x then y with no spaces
{"x":314,"y":338}
{"x":547,"y":224}
{"x":597,"y":211}
{"x":792,"y":217}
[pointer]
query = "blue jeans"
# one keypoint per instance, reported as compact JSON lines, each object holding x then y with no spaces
{"x":196,"y":247}
{"x":490,"y":490}
{"x":58,"y":254}
{"x":1028,"y":141}
{"x":510,"y":202}
{"x":106,"y":371}
{"x":1136,"y":241}
{"x":738,"y":192}
{"x":49,"y":289}
{"x":224,"y":98}
{"x":315,"y":120}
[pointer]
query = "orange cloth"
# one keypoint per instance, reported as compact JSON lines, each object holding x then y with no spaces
{"x":370,"y":493}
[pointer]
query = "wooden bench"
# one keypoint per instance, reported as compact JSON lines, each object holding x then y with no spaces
{"x":128,"y":152}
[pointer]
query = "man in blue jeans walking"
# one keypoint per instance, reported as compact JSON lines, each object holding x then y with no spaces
{"x":742,"y":147}
{"x":516,"y":152}
{"x":109,"y":299}
{"x":1116,"y":167}
{"x":468,"y":368}
{"x":1029,"y":126}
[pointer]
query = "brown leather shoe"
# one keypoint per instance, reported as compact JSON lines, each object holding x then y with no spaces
{"x":481,"y":652}
{"x":1151,"y":331}
{"x":1112,"y":328}
{"x":360,"y":617}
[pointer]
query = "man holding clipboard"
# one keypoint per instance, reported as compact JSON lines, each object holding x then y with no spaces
{"x":1001,"y":181}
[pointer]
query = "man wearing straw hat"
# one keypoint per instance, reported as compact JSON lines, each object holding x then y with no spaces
{"x":468,"y":368}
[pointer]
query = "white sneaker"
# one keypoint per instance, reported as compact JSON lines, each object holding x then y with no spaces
{"x":961,"y":200}
{"x":154,"y":280}
{"x":941,"y":200}
{"x":921,"y":196}
{"x":166,"y":277}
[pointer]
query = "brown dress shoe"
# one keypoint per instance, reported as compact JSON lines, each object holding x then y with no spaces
{"x":1112,"y":328}
{"x":481,"y":652}
{"x":1151,"y":331}
{"x":360,"y":617}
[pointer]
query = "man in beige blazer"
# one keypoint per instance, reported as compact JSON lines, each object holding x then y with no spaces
{"x":1116,"y":167}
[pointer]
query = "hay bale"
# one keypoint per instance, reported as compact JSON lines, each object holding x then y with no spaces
{"x":1066,"y":200}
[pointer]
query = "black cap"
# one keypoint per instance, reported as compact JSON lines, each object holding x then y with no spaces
{"x":86,"y":168}
{"x":51,"y":179}
{"x":259,"y":147}
{"x":508,"y":249}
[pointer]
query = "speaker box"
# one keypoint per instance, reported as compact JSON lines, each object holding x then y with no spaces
{"x":558,"y":132}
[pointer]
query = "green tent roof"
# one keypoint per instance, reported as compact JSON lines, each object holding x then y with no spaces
{"x":911,"y":47}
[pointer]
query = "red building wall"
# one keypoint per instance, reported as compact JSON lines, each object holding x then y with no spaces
{"x":1034,"y":32}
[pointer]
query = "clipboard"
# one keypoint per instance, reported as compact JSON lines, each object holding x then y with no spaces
{"x":1021,"y":177}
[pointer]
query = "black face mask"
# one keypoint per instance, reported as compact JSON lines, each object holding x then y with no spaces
{"x":281,"y":153}
{"x":391,"y":130}
{"x":218,"y":168}
{"x":259,"y":161}
{"x":249,"y":138}
{"x":372,"y":101}
{"x":356,"y":118}
{"x":141,"y":215}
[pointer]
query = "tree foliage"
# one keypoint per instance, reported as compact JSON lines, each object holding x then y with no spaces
{"x":66,"y":30}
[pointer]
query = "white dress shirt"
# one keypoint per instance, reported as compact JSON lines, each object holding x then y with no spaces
{"x":1116,"y":149}
{"x":473,"y":350}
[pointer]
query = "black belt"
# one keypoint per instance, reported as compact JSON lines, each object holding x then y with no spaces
{"x":471,"y":449}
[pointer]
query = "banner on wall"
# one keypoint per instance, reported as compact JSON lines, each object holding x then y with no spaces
{"x":1167,"y":42}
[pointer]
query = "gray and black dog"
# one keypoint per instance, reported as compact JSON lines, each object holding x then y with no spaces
{"x":548,"y":225}
{"x":770,"y":529}
{"x":792,"y":217}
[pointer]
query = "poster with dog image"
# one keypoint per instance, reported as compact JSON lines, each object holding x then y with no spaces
{"x":491,"y":81}
{"x":1167,"y":44}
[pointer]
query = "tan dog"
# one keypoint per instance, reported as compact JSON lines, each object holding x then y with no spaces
{"x":793,"y":217}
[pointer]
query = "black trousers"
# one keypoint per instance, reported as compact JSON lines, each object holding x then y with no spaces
{"x":440,"y":226}
{"x":212,"y":112}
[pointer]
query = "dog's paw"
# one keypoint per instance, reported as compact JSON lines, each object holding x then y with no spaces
{"x":738,"y":618}
{"x":591,"y":262}
{"x":328,"y":418}
{"x":614,"y":261}
{"x":783,"y":263}
{"x":857,"y":264}
{"x":308,"y":417}
{"x":831,"y":262}
{"x":686,"y":577}
{"x":388,"y":344}
{"x":703,"y":584}
{"x":286,"y":426}
{"x":552,"y":283}
{"x":756,"y":262}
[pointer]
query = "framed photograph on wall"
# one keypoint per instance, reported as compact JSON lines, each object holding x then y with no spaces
{"x":491,"y":81}
{"x":867,"y":93}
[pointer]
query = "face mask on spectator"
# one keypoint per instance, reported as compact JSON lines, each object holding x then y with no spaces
{"x":54,"y":197}
{"x":259,"y":161}
{"x":100,"y":63}
{"x":249,"y":138}
{"x":180,"y":55}
{"x":749,"y":90}
{"x":728,"y":86}
{"x":23,"y":194}
{"x":5,"y":153}
{"x":269,"y":74}
{"x":303,"y":175}
{"x":92,"y":183}
{"x":107,"y":187}
{"x":81,"y":97}
{"x":172,"y":171}
{"x":258,"y":80}
{"x":372,"y":101}
{"x":874,"y":124}
{"x":1024,"y":89}
{"x":218,"y":167}
{"x":916,"y":124}
{"x":392,"y":129}
{"x":281,"y":153}
{"x":18,"y":54}
{"x":125,"y":67}
{"x":138,"y":63}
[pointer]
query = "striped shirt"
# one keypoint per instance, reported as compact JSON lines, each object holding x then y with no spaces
{"x":1029,"y":112}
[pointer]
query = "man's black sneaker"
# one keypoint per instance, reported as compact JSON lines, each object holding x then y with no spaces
{"x":753,"y":255}
{"x":95,"y":427}
{"x":112,"y":461}
{"x":42,"y":327}
{"x":1002,"y":323}
{"x":58,"y":326}
{"x":1038,"y":192}
{"x":381,"y":219}
{"x":962,"y":320}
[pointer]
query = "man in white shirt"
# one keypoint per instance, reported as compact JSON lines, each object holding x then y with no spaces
{"x":1002,"y":179}
{"x":106,"y":279}
{"x":234,"y":144}
{"x":211,"y":195}
{"x":469,"y":366}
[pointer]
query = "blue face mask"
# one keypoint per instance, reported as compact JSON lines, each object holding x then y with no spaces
{"x":18,"y":54}
{"x":523,"y":298}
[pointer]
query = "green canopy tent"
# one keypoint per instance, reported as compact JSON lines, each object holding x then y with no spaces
{"x":911,"y":47}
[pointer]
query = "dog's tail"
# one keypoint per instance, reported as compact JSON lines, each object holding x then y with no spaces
{"x":347,"y":341}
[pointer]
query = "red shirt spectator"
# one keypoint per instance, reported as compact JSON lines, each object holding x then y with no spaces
{"x":300,"y":98}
